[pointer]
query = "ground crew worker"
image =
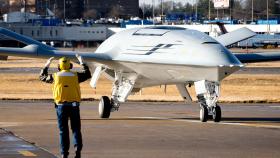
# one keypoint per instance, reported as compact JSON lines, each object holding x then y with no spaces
{"x":67,"y":97}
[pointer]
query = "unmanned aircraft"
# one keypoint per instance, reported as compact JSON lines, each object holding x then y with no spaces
{"x":158,"y":55}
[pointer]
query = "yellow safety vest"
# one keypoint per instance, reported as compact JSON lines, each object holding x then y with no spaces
{"x":66,"y":87}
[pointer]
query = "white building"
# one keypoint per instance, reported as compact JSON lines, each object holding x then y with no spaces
{"x":19,"y":17}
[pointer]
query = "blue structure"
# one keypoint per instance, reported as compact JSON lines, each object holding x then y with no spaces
{"x":220,"y":21}
{"x":261,"y":40}
{"x":46,"y":22}
{"x":270,"y":22}
{"x":173,"y":17}
{"x":136,"y":22}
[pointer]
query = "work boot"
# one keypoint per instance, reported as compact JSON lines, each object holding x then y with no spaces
{"x":78,"y":154}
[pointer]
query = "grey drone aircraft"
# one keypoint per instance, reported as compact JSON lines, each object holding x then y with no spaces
{"x":157,"y":55}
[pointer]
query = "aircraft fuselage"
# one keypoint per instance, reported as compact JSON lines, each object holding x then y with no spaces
{"x":169,"y":55}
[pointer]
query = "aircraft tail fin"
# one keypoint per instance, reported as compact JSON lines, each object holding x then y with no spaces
{"x":222,"y":27}
{"x":23,"y":39}
{"x":235,"y":36}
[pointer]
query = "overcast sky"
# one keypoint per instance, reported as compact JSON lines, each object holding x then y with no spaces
{"x":158,"y":1}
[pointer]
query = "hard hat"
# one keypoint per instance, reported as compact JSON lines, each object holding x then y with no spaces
{"x":64,"y":64}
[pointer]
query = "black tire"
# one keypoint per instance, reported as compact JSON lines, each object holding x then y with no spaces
{"x":104,"y":107}
{"x":203,"y":114}
{"x":217,"y":113}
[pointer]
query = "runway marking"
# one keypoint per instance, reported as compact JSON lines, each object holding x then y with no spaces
{"x":274,"y":106}
{"x":8,"y":124}
{"x":12,"y":124}
{"x":253,"y":125}
{"x":259,"y":125}
{"x":27,"y":153}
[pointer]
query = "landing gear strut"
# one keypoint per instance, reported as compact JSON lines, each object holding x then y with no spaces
{"x":207,"y":94}
{"x":122,"y":87}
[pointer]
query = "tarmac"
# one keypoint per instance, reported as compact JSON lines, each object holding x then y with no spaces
{"x":13,"y":146}
{"x":144,"y":130}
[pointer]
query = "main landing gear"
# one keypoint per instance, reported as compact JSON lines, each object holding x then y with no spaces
{"x":213,"y":112}
{"x":122,"y":87}
{"x":104,"y":107}
{"x":207,"y":94}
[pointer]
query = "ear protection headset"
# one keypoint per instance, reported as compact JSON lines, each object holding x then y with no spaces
{"x":64,"y":64}
{"x":58,"y":66}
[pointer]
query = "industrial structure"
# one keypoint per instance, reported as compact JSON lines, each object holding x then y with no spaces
{"x":73,"y":9}
{"x":113,"y":8}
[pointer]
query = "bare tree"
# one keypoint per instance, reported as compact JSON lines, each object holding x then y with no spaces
{"x":90,"y":14}
{"x":15,"y":6}
{"x":115,"y":11}
{"x":4,"y":7}
{"x":260,"y":10}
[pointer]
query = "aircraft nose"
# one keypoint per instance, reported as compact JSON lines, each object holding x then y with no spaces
{"x":218,"y":55}
{"x":224,"y":60}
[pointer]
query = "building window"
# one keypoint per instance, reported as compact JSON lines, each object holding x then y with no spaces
{"x":56,"y":33}
{"x":50,"y":32}
{"x":38,"y":33}
{"x":32,"y":33}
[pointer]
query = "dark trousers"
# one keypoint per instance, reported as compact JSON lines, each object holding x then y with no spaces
{"x":64,"y":112}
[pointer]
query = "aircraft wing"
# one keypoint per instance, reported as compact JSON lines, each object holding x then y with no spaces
{"x":258,"y":57}
{"x":235,"y":36}
{"x":35,"y":51}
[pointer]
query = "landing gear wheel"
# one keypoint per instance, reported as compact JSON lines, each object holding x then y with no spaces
{"x":217,"y":113}
{"x":104,"y":107}
{"x":203,"y":114}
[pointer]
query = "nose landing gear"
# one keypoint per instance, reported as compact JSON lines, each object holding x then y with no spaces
{"x":207,"y":94}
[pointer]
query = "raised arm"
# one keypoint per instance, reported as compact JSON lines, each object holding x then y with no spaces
{"x":85,"y":73}
{"x":44,"y":76}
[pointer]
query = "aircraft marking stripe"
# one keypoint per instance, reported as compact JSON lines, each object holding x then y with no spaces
{"x":27,"y":153}
{"x":159,"y":46}
{"x":168,"y":45}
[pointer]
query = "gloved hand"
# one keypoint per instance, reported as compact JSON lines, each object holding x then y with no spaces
{"x":48,"y":63}
{"x":80,"y":59}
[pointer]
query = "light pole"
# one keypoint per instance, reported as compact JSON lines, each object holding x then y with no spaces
{"x":196,"y":10}
{"x":252,"y":10}
{"x":162,"y":11}
{"x":209,"y":10}
{"x":153,"y":11}
{"x":143,"y":10}
{"x":46,"y":8}
{"x":267,"y":17}
{"x":64,"y":9}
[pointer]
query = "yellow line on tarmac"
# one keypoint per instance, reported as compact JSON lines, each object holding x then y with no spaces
{"x":27,"y":153}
